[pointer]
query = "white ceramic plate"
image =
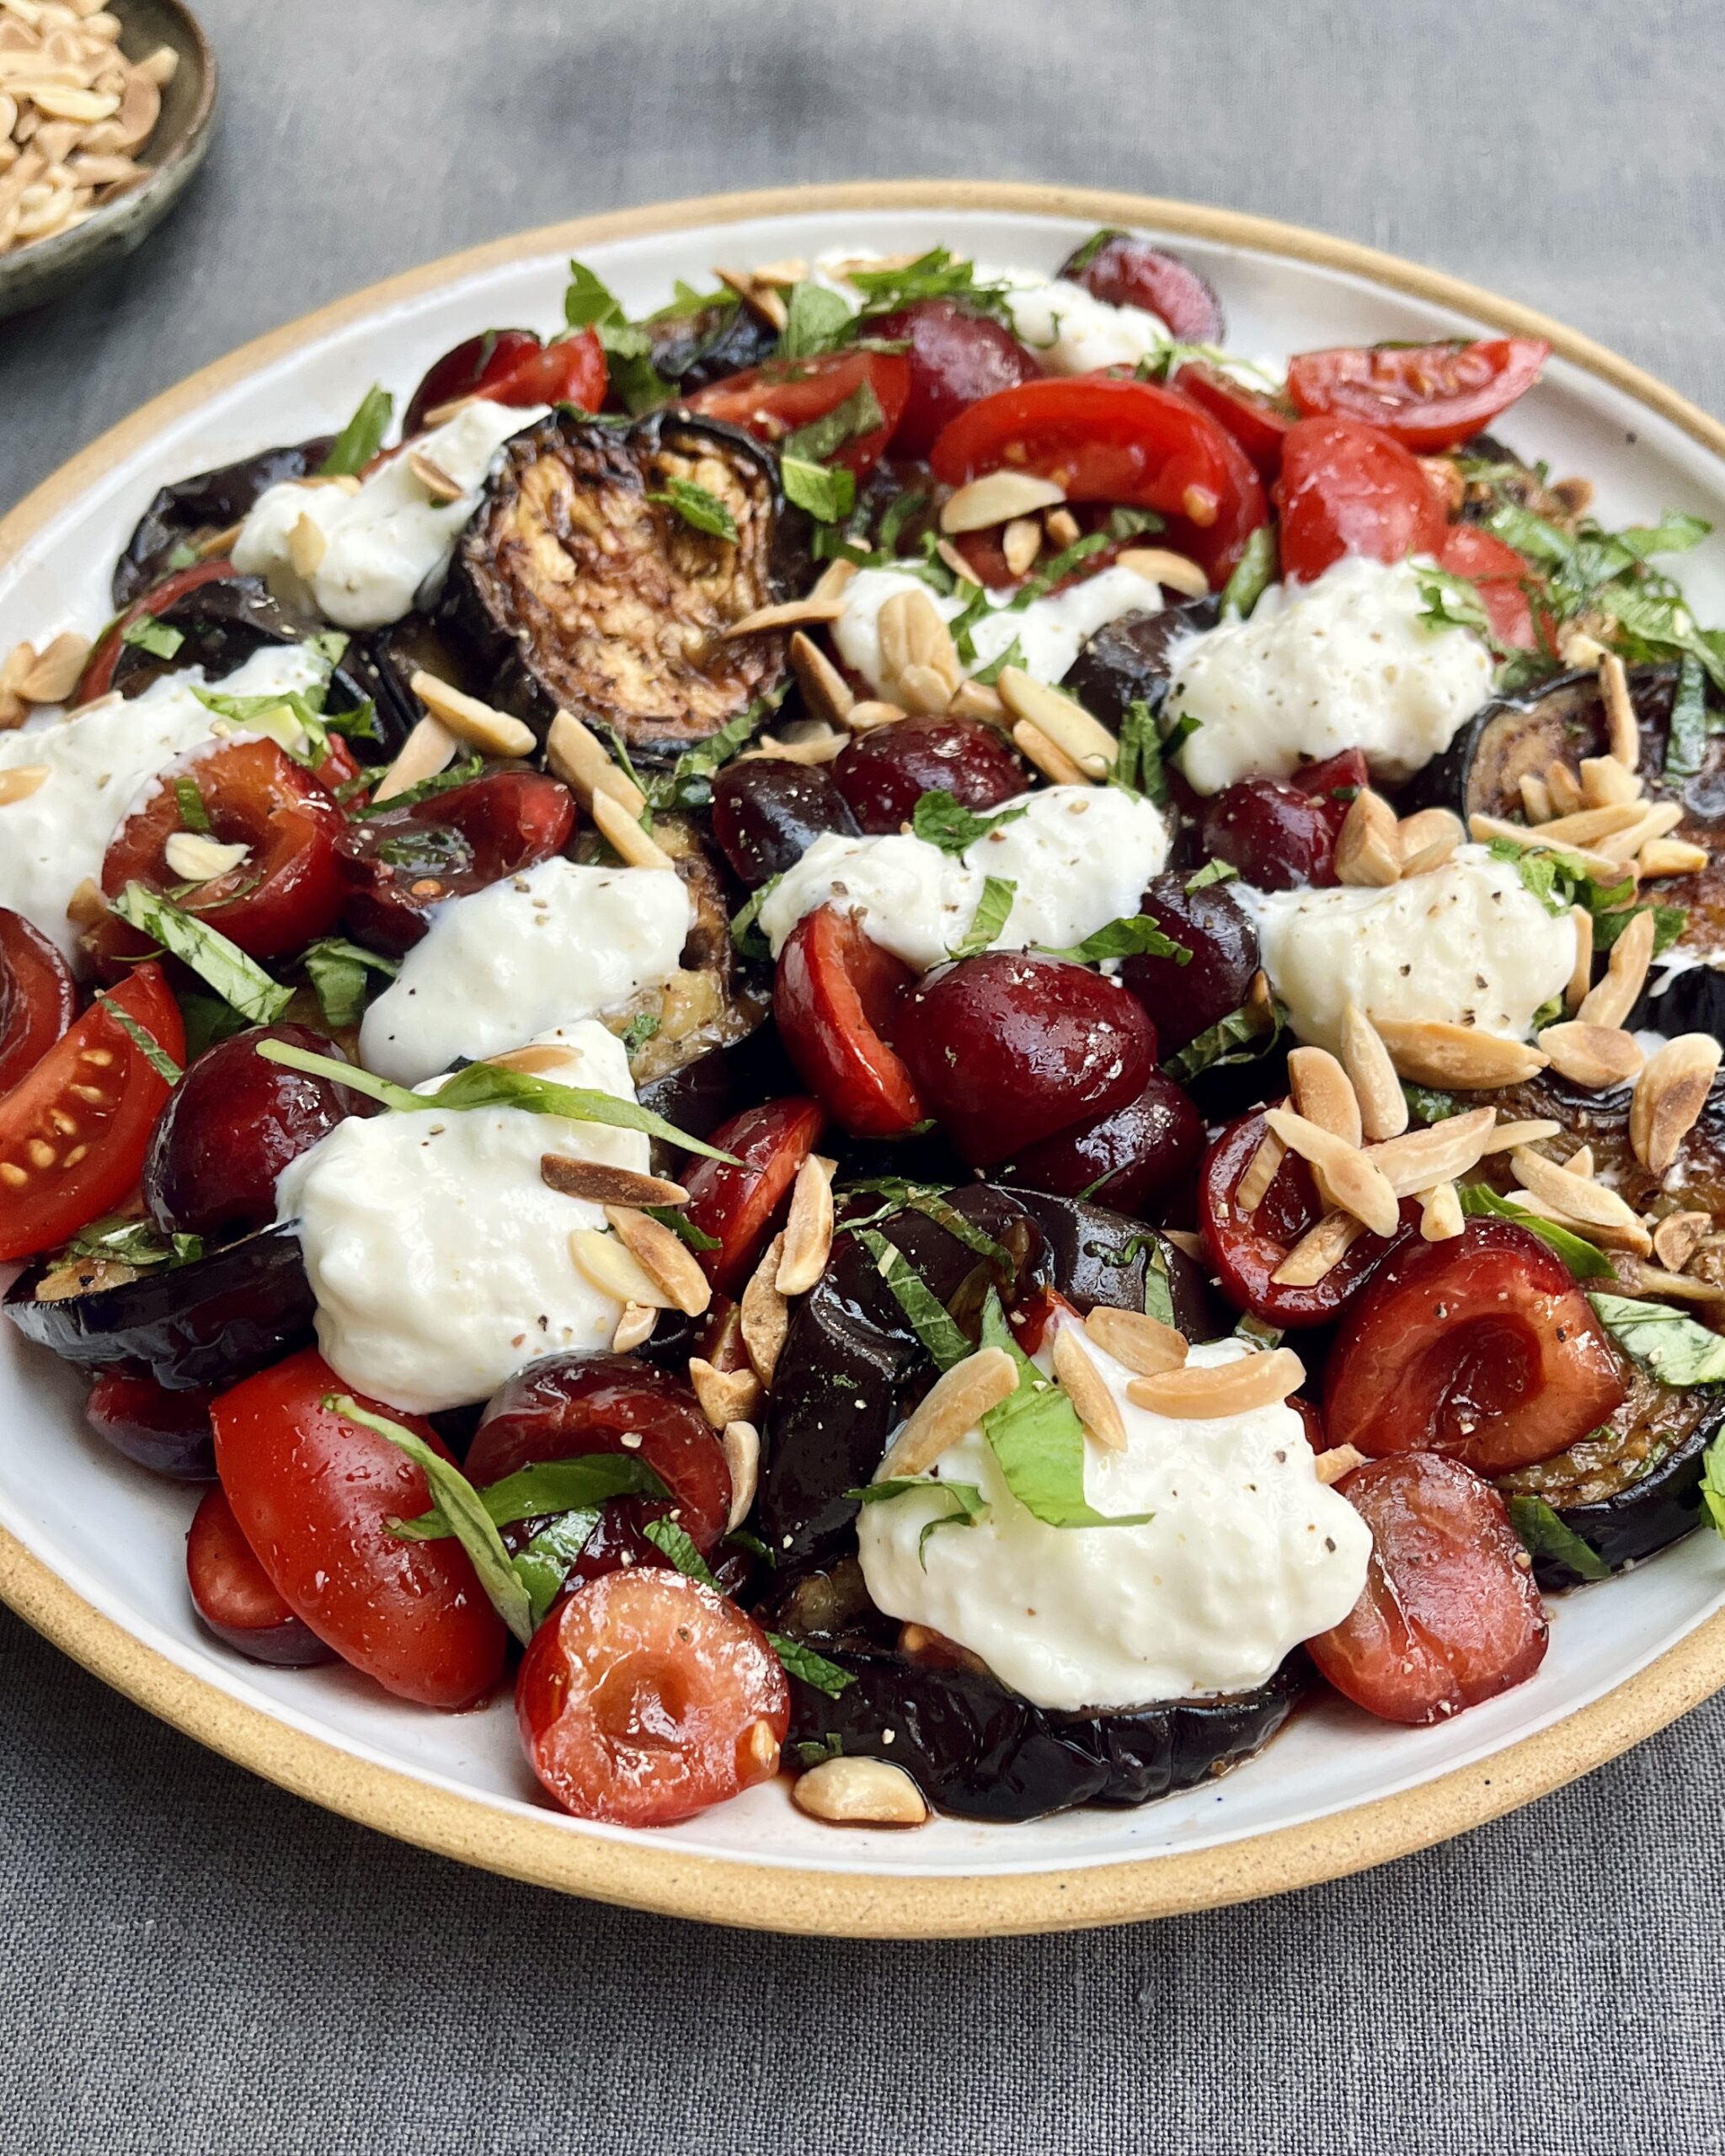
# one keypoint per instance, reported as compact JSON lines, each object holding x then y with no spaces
{"x":92,"y":1548}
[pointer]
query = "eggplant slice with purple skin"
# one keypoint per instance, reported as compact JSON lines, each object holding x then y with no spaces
{"x":210,"y":1323}
{"x":693,"y":351}
{"x":579,"y":586}
{"x":192,"y":512}
{"x":1126,"y":661}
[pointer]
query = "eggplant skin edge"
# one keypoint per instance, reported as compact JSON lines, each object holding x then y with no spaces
{"x":1647,"y":1516}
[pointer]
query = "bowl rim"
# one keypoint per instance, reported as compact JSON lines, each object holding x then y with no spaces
{"x":659,"y":1876}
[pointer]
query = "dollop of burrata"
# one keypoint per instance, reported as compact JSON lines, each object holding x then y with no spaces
{"x":1246,"y":1554}
{"x":1345,"y":662}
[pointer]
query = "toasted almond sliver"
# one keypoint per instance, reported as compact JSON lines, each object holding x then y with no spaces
{"x":912,"y":630}
{"x":195,"y":857}
{"x":1253,"y":1187}
{"x":1610,"y":1002}
{"x":834,"y":579}
{"x":439,"y":413}
{"x":538,"y":1059}
{"x":725,"y":1396}
{"x":765,"y":1316}
{"x":1563,"y":788}
{"x":432,"y":477}
{"x":1205,"y":1392}
{"x":307,"y":545}
{"x":807,"y":749}
{"x":1671,"y":857}
{"x":1047,"y":756}
{"x":20,"y":781}
{"x":1587,"y":827}
{"x":1426,"y":840}
{"x":615,"y":1270}
{"x":1581,"y":978}
{"x":808,"y":1241}
{"x":826,"y":690}
{"x":1581,"y":1161}
{"x":493,"y":733}
{"x":60,"y":102}
{"x":1323,"y":1093}
{"x":427,"y":750}
{"x":602,"y":1184}
{"x":1383,"y":1105}
{"x":793,"y":614}
{"x":1598,"y":1057}
{"x":1536,"y":798}
{"x":859,"y":1792}
{"x":1598,"y":868}
{"x":1142,"y":1343}
{"x":741,"y":1441}
{"x":1354,"y":1184}
{"x":976,"y":700}
{"x":960,"y":1398}
{"x":1672,"y":1091}
{"x":1021,"y":542}
{"x":964,"y":569}
{"x":1575,"y":1197}
{"x":575,"y":755}
{"x":1623,"y":735}
{"x":924,"y":691}
{"x":1087,"y":1390}
{"x":1062,"y":718}
{"x":1419,"y":1158}
{"x":1460,"y":1058}
{"x":1676,"y":1237}
{"x":624,"y":834}
{"x":1161,"y":565}
{"x":1330,"y":1467}
{"x":664,"y":1257}
{"x":16,"y":668}
{"x":1505,"y":1137}
{"x":996,"y":498}
{"x":1657,"y":822}
{"x":1368,"y":850}
{"x":1319,"y":1251}
{"x":757,"y":295}
{"x":634,"y":1328}
{"x":1605,"y":780}
{"x":1441,"y":1216}
{"x":55,"y":674}
{"x":1062,"y":527}
{"x":870,"y":711}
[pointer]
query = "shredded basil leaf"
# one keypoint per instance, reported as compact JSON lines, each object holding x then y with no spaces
{"x":120,"y":1240}
{"x":1213,"y":871}
{"x":747,"y":938}
{"x":1667,"y":1344}
{"x":1686,"y":743}
{"x":680,"y":1225}
{"x":689,"y":783}
{"x":999,"y":893}
{"x":939,"y":820}
{"x":1132,"y":935}
{"x":1543,"y":1534}
{"x":362,"y":438}
{"x":193,"y":814}
{"x":936,"y":275}
{"x":695,"y":506}
{"x":337,"y":970}
{"x":1427,"y":1105}
{"x":929,"y":1318}
{"x":859,"y":414}
{"x":460,"y":774}
{"x":1139,"y":767}
{"x":147,"y":1044}
{"x":1242,"y":1036}
{"x":1713,"y":1482}
{"x":1158,"y":1287}
{"x":968,"y":1505}
{"x":1253,"y":575}
{"x":241,"y":981}
{"x":161,"y":639}
{"x":1037,"y":1440}
{"x":578,"y":1484}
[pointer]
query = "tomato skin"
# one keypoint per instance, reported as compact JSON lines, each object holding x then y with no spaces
{"x":645,"y":1698}
{"x":1258,"y":421}
{"x":512,"y":366}
{"x":1499,"y":572}
{"x":1348,"y":488}
{"x":313,"y":1495}
{"x":1480,"y":1347}
{"x":1429,"y":397}
{"x":1450,"y":1615}
{"x":38,"y":997}
{"x":833,"y":998}
{"x":231,"y":1593}
{"x":773,"y":400}
{"x":96,"y":1163}
{"x":98,"y":676}
{"x":739,"y":1206}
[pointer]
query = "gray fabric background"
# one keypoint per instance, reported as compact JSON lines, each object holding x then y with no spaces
{"x":194,"y":1961}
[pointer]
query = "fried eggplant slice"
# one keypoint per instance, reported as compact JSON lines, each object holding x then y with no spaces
{"x":191,"y":513}
{"x":580,"y":586}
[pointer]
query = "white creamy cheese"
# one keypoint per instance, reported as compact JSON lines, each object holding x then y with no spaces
{"x":1048,"y":631}
{"x":1081,"y":856}
{"x":99,"y":760}
{"x":561,"y":941}
{"x":1467,"y":943}
{"x":1246,"y":1554}
{"x":438,"y":1257}
{"x":1345,"y":662}
{"x":385,"y":545}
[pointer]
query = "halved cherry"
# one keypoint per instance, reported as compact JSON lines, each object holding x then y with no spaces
{"x":1128,"y":271}
{"x":740,"y":1205}
{"x":1210,"y":925}
{"x":166,"y":1432}
{"x":1031,"y":1318}
{"x":73,"y":1132}
{"x":397,"y":863}
{"x":955,"y":357}
{"x":38,"y":997}
{"x":231,"y":1593}
{"x":1247,"y":1250}
{"x":767,"y":812}
{"x":1450,"y":1615}
{"x":883,"y":774}
{"x":1349,"y":488}
{"x":1281,"y":833}
{"x":645,"y":1698}
{"x":512,"y":366}
{"x":1009,"y":1048}
{"x":1131,"y":1159}
{"x":836,"y":996}
{"x":283,"y":893}
{"x":1481,"y":1347}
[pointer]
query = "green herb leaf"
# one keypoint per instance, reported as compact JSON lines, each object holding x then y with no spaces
{"x":859,"y":414}
{"x":543,"y":1566}
{"x":801,"y":1660}
{"x":1427,"y":1105}
{"x":1543,"y":1534}
{"x":1253,"y":576}
{"x":1138,"y":768}
{"x":745,"y":937}
{"x":1669,"y":925}
{"x":119,"y":1238}
{"x":934,"y":1205}
{"x":1126,"y":523}
{"x":1013,"y":655}
{"x":193,"y":814}
{"x":161,"y":639}
{"x":939,"y":820}
{"x":680,"y":1225}
{"x":695,"y":506}
{"x":936,"y":275}
{"x":1057,"y":569}
{"x":676,"y":1543}
{"x":999,"y":893}
{"x":1132,"y":935}
{"x":1584,"y":1261}
{"x":628,"y":366}
{"x":362,"y":438}
{"x":897,"y":514}
{"x":686,"y":300}
{"x":460,"y":774}
{"x":1158,"y":1287}
{"x":1082,"y":257}
{"x":815,"y":1752}
{"x":1213,"y":871}
{"x":459,"y":1501}
{"x":1686,"y":743}
{"x":1667,"y":1344}
{"x":929,"y":1318}
{"x":588,"y":300}
{"x":241,"y":981}
{"x":147,"y":1044}
{"x":1242,"y":1036}
{"x":1713,"y":1482}
{"x":967,"y":1508}
{"x":1037,"y":1440}
{"x":828,"y":493}
{"x":688,"y":783}
{"x":337,"y":970}
{"x":578,"y":1484}
{"x":816,"y":321}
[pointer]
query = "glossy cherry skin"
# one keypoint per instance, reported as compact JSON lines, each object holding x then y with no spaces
{"x":1127,"y":271}
{"x":883,"y":774}
{"x":166,"y":1432}
{"x":1008,"y":1048}
{"x":1185,"y":1001}
{"x":1130,"y":1159}
{"x":398,"y":864}
{"x":568,"y":1406}
{"x":38,"y":997}
{"x":231,"y":1593}
{"x":1276,"y":834}
{"x":1450,"y":1615}
{"x":231,"y":1125}
{"x":955,"y":357}
{"x":645,"y":1698}
{"x":1482,"y":1348}
{"x":836,"y":997}
{"x":740,"y":1205}
{"x":767,"y":812}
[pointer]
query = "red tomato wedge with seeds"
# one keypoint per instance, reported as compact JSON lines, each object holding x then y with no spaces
{"x":1429,"y":397}
{"x":772,"y":401}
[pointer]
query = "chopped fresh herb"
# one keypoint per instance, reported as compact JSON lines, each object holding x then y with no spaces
{"x":337,"y":970}
{"x":1669,"y":925}
{"x":939,"y":820}
{"x":898,"y":514}
{"x":1713,"y":1482}
{"x":1427,"y":1105}
{"x":695,"y":506}
{"x":1543,"y":1534}
{"x":1132,"y":935}
{"x":1082,"y":257}
{"x":858,"y":415}
{"x":1125,"y":524}
{"x":999,"y":893}
{"x":686,"y":300}
{"x":640,"y":1029}
{"x":1242,"y":1036}
{"x":193,"y":814}
{"x":1138,"y":768}
{"x":744,"y":1538}
{"x":688,"y":784}
{"x":1669,"y":1345}
{"x":1057,"y":570}
{"x":362,"y":438}
{"x":933,"y":1203}
{"x":589,"y":303}
{"x":227,"y":968}
{"x":1686,"y":742}
{"x":1252,"y":576}
{"x":161,"y":639}
{"x":543,"y":1566}
{"x":678,"y":1221}
{"x":208,"y":1019}
{"x":1013,"y":655}
{"x":1453,"y":602}
{"x":290,"y":718}
{"x":1037,"y":1440}
{"x":816,"y":321}
{"x":801,"y":1662}
{"x":929,"y":1318}
{"x":183,"y":556}
{"x":1584,"y":1261}
{"x":676,"y":1543}
{"x":815,"y":1752}
{"x":748,"y":939}
{"x":120,"y":1240}
{"x":968,"y":1505}
{"x":588,"y":300}
{"x":1560,"y":880}
{"x":461,"y":774}
{"x":936,"y":275}
{"x":1158,"y":1287}
{"x":1256,"y":1334}
{"x":828,"y":493}
{"x":1213,"y":871}
{"x":576,"y":1484}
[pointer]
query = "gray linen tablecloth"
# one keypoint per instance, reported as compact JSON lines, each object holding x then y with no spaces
{"x":194,"y":1961}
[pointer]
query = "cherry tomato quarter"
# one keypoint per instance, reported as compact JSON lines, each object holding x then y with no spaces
{"x":1349,"y":488}
{"x":1429,"y":397}
{"x":740,"y":1205}
{"x":775,"y":399}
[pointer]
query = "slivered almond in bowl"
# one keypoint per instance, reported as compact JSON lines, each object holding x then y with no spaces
{"x":837,"y":1052}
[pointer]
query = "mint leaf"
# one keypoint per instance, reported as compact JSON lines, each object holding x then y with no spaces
{"x":967,"y":1508}
{"x":1543,"y":1534}
{"x":676,"y":1543}
{"x":1138,"y":768}
{"x":578,"y":1484}
{"x":1686,"y":742}
{"x":362,"y":438}
{"x":1213,"y":871}
{"x":337,"y":970}
{"x":588,"y":300}
{"x":992,"y":908}
{"x":460,"y":774}
{"x":1037,"y":1440}
{"x":1242,"y":1036}
{"x":828,"y":494}
{"x":1132,"y":935}
{"x":803,"y":1661}
{"x":240,"y":980}
{"x":859,"y":414}
{"x":695,"y":506}
{"x":816,"y":321}
{"x":939,"y":820}
{"x":147,"y":1044}
{"x":193,"y":814}
{"x":161,"y":639}
{"x":1669,"y":1345}
{"x":928,"y":1317}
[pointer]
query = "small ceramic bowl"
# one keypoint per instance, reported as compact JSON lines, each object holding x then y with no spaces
{"x":42,"y":271}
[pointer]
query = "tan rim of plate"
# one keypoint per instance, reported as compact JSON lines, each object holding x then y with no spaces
{"x":651,"y":1873}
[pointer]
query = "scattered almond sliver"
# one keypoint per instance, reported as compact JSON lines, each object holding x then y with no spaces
{"x":1460,"y":1058}
{"x":615,"y":1270}
{"x":427,"y":750}
{"x":1610,"y":1002}
{"x":1339,"y":1460}
{"x":1143,"y":1344}
{"x":725,"y":1396}
{"x":1323,"y":1093}
{"x":792,"y":614}
{"x":666,"y":1258}
{"x":765,"y":1315}
{"x":634,"y":1328}
{"x":1669,"y":1096}
{"x":1441,"y":1216}
{"x":1577,"y":1197}
{"x":1060,"y":718}
{"x":493,"y":733}
{"x":1355,"y":1184}
{"x":808,"y":1237}
{"x":602,"y":1184}
{"x":1383,"y":1105}
{"x":1419,"y":1158}
{"x":1087,"y":1390}
{"x":996,"y":498}
{"x":1598,"y":1057}
{"x":635,"y":847}
{"x":574,"y":753}
{"x":1368,"y":848}
{"x":1206,"y":1392}
{"x":1319,"y":1251}
{"x":960,"y":1398}
{"x":741,"y":1441}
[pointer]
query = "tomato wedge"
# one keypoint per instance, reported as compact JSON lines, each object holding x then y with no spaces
{"x":1501,"y":574}
{"x":74,"y":1132}
{"x":775,"y":399}
{"x":1450,"y":1615}
{"x":833,"y":998}
{"x":1258,"y":421}
{"x":512,"y":366}
{"x":1429,"y":397}
{"x":98,"y":676}
{"x":38,"y":997}
{"x":645,"y":1698}
{"x":1349,"y":488}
